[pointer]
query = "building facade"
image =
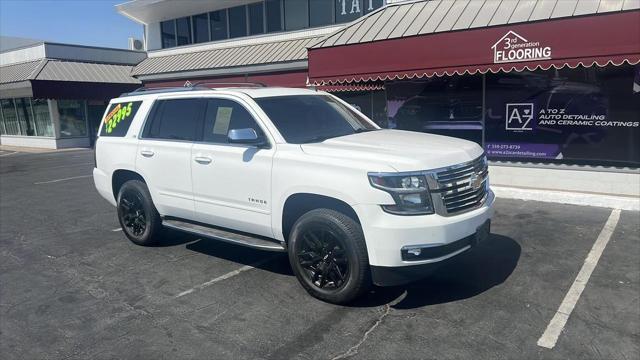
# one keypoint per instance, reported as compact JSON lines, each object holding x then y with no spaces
{"x":543,"y":82}
{"x":241,"y":40}
{"x":54,"y":95}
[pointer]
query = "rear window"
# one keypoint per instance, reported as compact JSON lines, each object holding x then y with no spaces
{"x":119,"y":117}
{"x":175,"y":119}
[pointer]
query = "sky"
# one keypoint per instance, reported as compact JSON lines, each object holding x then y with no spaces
{"x":84,"y":22}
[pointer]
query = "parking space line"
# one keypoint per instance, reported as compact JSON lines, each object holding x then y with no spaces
{"x":225,"y":276}
{"x":116,"y":229}
{"x":11,"y":153}
{"x":59,"y":180}
{"x":550,"y":336}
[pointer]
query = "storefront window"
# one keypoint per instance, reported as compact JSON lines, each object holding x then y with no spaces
{"x":10,"y":117}
{"x":238,"y":21}
{"x":582,"y":115}
{"x":168,"y":33}
{"x":73,"y":120}
{"x":320,"y":12}
{"x":370,"y":103}
{"x":41,"y":117}
{"x":260,"y":17}
{"x":256,"y":18}
{"x":274,"y":15}
{"x":218,"y":21}
{"x":449,"y":105}
{"x":25,"y":116}
{"x":296,"y":14}
{"x":201,"y":28}
{"x":183,"y":29}
{"x":348,"y":10}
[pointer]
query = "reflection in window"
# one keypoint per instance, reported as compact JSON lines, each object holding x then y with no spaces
{"x":218,"y":20}
{"x":41,"y":117}
{"x":168,"y":33}
{"x":23,"y":106}
{"x":256,"y":18}
{"x":296,"y":14}
{"x":320,"y":12}
{"x":238,"y":21}
{"x":72,"y":118}
{"x":10,"y":117}
{"x":200,"y":28}
{"x":273,"y":9}
{"x":183,"y":29}
{"x":449,"y":105}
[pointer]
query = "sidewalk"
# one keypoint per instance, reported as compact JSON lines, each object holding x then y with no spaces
{"x":30,"y":150}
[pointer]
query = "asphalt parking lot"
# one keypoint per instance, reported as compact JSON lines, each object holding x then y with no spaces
{"x":73,"y":287}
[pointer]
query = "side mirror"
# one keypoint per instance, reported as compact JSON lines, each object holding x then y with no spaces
{"x":246,"y":136}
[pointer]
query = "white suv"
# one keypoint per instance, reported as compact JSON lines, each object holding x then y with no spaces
{"x":293,"y":170}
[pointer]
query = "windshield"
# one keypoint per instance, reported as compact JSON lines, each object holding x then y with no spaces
{"x":312,"y":118}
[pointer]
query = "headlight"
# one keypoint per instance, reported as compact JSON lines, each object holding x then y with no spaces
{"x":410,"y":192}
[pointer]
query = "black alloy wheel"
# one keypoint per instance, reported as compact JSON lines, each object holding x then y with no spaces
{"x":328,"y":255}
{"x":323,"y":258}
{"x":133,"y":215}
{"x":138,"y":216}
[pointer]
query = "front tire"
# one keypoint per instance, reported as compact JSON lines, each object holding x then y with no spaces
{"x":137,"y":215}
{"x":328,"y":254}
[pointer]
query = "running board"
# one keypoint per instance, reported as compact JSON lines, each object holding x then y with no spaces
{"x":225,"y":235}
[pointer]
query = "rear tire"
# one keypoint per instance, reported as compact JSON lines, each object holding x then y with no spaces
{"x":137,"y":215}
{"x":328,"y":254}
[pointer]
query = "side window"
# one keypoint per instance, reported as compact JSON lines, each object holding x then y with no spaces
{"x":175,"y":119}
{"x":223,"y":115}
{"x":118,"y":118}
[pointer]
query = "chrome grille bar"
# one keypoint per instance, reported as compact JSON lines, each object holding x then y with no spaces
{"x":463,"y":187}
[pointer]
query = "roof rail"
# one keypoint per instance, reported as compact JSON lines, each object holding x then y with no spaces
{"x":227,"y":84}
{"x":200,"y":85}
{"x":159,"y":89}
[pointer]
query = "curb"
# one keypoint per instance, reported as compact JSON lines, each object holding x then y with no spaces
{"x":573,"y":198}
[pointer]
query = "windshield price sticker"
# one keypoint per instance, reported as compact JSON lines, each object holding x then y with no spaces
{"x":116,"y":115}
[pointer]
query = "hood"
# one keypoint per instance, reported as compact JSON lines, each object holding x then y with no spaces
{"x":401,"y":150}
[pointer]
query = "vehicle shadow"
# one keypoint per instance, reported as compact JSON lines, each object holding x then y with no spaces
{"x":265,"y":260}
{"x":466,"y":275}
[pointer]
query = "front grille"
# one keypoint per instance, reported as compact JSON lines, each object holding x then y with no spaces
{"x":456,"y":185}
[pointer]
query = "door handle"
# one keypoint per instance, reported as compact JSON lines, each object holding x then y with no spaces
{"x":204,"y":160}
{"x":147,"y":153}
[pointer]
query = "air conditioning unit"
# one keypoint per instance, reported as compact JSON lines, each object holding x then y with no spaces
{"x":135,"y":44}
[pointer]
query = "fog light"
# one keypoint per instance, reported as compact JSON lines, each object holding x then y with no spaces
{"x":415,"y":252}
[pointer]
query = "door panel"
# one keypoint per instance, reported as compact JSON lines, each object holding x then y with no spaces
{"x":233,"y":189}
{"x":231,"y":183}
{"x":166,"y":166}
{"x":164,"y":154}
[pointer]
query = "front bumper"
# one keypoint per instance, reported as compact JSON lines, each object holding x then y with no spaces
{"x":387,"y":235}
{"x":399,"y":275}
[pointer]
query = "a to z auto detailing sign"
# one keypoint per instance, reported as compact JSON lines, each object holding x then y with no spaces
{"x":513,"y":48}
{"x":119,"y":117}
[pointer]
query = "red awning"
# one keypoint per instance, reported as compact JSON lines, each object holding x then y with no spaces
{"x":352,"y":87}
{"x":589,"y":40}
